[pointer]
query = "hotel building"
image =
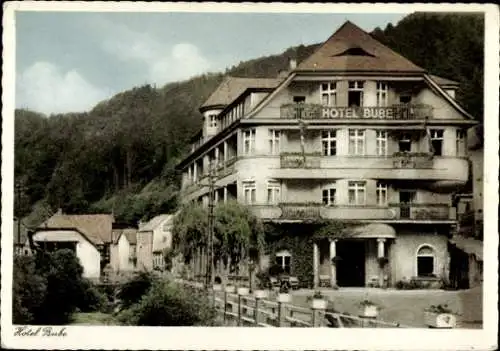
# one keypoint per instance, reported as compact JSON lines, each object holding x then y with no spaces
{"x":355,"y":132}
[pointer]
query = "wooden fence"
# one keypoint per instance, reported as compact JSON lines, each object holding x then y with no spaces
{"x":249,"y":310}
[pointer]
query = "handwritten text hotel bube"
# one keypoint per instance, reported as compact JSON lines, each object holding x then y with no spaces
{"x":357,"y":112}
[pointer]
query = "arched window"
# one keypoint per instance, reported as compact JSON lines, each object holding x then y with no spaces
{"x":284,"y":260}
{"x":426,"y":261}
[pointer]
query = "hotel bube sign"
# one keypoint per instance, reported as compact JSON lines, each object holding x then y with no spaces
{"x":310,"y":111}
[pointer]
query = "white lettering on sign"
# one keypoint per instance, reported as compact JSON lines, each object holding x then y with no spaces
{"x":365,"y":112}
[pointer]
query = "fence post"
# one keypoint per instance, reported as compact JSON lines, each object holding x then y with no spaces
{"x":258,"y":294}
{"x":241,"y":292}
{"x":283,"y":299}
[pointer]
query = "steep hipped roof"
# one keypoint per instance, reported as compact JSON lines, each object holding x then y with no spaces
{"x":232,"y":87}
{"x":352,"y":49}
{"x":154,"y":222}
{"x":444,"y":81}
{"x":97,"y":227}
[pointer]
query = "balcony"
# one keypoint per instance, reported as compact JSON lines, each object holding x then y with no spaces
{"x":395,"y":212}
{"x":415,"y":160}
{"x":394,"y":112}
{"x":422,"y":211}
{"x":298,"y":160}
{"x":294,"y":211}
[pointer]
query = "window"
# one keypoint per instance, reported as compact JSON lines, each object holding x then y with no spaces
{"x":299,"y":99}
{"x":437,"y":141}
{"x":329,"y":141}
{"x":460,"y":142}
{"x":284,"y":260}
{"x":357,"y":193}
{"x":405,"y":143}
{"x":212,"y":121}
{"x":249,"y":192}
{"x":249,"y":141}
{"x":382,"y":94}
{"x":329,"y":94}
{"x":381,"y":142}
{"x":356,"y":142}
{"x":329,"y":195}
{"x":425,"y":261}
{"x":381,"y":194}
{"x":355,"y":94}
{"x":274,"y":141}
{"x":273,"y":192}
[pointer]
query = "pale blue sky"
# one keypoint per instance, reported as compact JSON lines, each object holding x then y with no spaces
{"x":69,"y":61}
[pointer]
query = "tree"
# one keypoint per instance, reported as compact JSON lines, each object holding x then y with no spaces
{"x":238,"y":233}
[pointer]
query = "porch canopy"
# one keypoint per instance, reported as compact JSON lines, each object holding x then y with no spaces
{"x":373,"y":230}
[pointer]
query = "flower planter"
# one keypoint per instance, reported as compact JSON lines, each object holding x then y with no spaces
{"x":260,"y":294}
{"x":440,"y":320}
{"x":370,"y":311}
{"x":243,"y":291}
{"x":230,"y":289}
{"x":319,"y":304}
{"x":284,"y":298}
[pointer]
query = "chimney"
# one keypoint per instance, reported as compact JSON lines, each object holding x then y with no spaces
{"x":282,"y":73}
{"x":293,"y":64}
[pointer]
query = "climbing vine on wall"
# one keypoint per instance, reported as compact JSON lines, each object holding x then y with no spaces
{"x":298,"y":239}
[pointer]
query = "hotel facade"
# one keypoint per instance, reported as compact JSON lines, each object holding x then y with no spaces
{"x":355,"y":133}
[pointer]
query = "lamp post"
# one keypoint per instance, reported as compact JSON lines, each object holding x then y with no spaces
{"x":251,"y":268}
{"x":212,"y":178}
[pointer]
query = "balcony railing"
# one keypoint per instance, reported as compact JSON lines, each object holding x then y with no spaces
{"x":300,"y":211}
{"x":422,"y":211}
{"x":298,"y":160}
{"x":418,"y":160}
{"x":394,"y":112}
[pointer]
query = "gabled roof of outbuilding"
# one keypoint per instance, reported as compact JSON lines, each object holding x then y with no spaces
{"x":352,"y":49}
{"x":96,"y":227}
{"x":232,"y":87}
{"x":155,"y":222}
{"x":444,"y":82}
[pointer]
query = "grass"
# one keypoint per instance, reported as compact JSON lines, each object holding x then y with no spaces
{"x":93,"y":318}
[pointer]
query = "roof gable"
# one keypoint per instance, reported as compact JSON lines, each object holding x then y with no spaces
{"x":232,"y":87}
{"x":97,"y":227}
{"x":155,"y":222}
{"x":342,"y":52}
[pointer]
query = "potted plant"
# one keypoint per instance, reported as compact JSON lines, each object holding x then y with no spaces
{"x":369,"y":309}
{"x":283,"y":295}
{"x":440,"y":316}
{"x":319,"y":301}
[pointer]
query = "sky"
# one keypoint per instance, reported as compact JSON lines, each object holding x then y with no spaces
{"x":69,"y":61}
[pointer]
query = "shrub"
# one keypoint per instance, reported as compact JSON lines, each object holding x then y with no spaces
{"x":48,"y":287}
{"x":29,"y":290}
{"x":168,"y":304}
{"x":92,"y":299}
{"x":132,"y":291}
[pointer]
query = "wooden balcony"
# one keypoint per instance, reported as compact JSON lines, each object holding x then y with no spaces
{"x":394,"y":112}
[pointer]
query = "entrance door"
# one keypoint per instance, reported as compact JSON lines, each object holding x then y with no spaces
{"x":351,"y":266}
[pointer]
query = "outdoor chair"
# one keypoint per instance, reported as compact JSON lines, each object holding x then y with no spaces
{"x":294,"y":283}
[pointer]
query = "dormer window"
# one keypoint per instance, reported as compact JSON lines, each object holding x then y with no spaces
{"x":355,"y":51}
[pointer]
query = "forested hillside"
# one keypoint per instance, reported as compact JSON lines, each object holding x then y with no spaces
{"x":120,"y":156}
